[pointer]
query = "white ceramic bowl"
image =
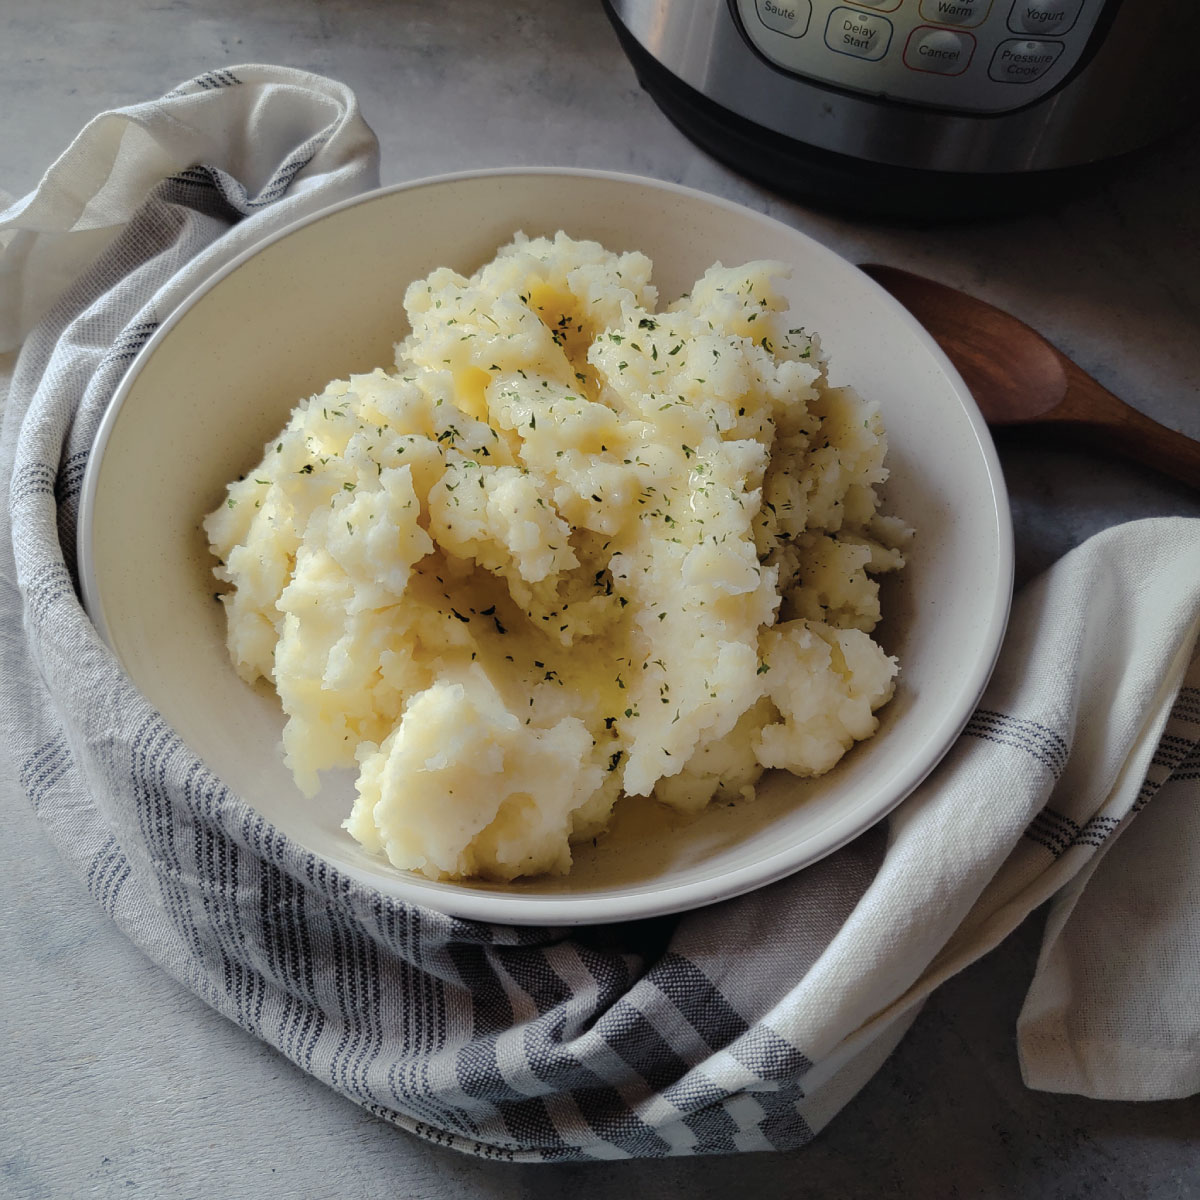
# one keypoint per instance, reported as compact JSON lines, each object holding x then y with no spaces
{"x":323,"y":299}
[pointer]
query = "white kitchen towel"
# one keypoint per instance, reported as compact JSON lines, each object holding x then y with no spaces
{"x":744,"y":1026}
{"x":1114,"y":1009}
{"x":250,"y":134}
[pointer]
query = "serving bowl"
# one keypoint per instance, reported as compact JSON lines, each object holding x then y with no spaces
{"x":323,"y":299}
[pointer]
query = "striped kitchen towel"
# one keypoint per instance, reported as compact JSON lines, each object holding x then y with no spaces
{"x":744,"y":1026}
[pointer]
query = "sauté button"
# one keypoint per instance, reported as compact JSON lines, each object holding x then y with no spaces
{"x":861,"y":34}
{"x":1023,"y":62}
{"x":789,"y":17}
{"x":940,"y":51}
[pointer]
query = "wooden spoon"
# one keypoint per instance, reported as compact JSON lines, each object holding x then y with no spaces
{"x":1018,"y":379}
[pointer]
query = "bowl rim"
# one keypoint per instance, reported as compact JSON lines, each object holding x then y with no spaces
{"x":640,"y":901}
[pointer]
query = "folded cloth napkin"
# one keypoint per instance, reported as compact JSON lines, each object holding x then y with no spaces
{"x":744,"y":1026}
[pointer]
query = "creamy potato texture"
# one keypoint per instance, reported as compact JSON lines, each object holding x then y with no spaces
{"x":571,"y":548}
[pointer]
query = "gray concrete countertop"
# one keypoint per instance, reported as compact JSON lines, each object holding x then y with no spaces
{"x":118,"y":1082}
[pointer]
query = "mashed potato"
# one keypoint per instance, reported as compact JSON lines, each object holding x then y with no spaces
{"x":571,"y":548}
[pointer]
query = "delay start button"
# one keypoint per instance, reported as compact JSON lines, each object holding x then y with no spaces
{"x":938,"y":51}
{"x":1023,"y":62}
{"x":857,"y":33}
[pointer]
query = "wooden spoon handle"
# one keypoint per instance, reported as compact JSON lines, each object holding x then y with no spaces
{"x":1105,"y":421}
{"x":1035,"y":386}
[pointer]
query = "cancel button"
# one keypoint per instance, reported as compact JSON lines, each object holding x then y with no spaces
{"x":939,"y":51}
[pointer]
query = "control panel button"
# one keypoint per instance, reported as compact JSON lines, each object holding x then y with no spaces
{"x":857,"y":33}
{"x":940,"y":51}
{"x":955,"y":12}
{"x":926,"y":52}
{"x":1050,"y":17}
{"x":789,"y":17}
{"x":1023,"y":62}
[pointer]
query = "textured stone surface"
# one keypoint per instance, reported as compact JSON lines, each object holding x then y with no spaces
{"x":119,"y":1082}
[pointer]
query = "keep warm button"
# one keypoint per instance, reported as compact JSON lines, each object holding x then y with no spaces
{"x":939,"y":51}
{"x":863,"y":35}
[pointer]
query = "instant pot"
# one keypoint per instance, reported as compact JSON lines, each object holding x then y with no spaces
{"x":918,"y":108}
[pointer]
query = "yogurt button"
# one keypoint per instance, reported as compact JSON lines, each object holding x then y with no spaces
{"x":940,"y":51}
{"x":1050,"y":17}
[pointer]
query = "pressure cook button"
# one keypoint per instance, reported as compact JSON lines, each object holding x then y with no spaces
{"x":790,"y":17}
{"x":861,"y":34}
{"x":1023,"y":62}
{"x":881,"y":5}
{"x":1050,"y":17}
{"x":941,"y":51}
{"x":955,"y":12}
